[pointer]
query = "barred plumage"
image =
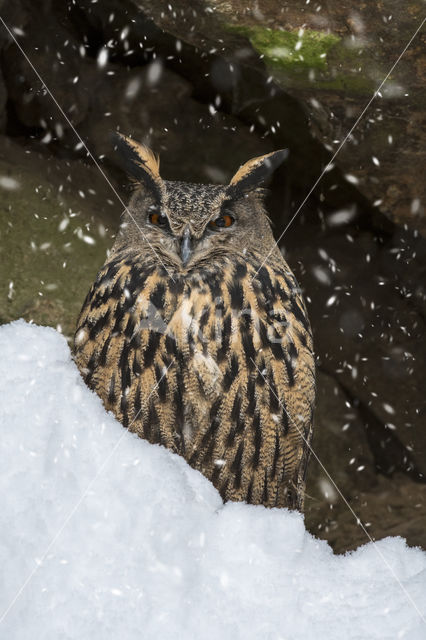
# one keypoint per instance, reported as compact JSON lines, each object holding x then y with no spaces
{"x":206,"y":351}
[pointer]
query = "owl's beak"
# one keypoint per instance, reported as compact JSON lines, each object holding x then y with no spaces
{"x":186,"y":246}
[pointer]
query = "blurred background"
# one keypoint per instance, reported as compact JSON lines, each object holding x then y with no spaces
{"x":208,"y":85}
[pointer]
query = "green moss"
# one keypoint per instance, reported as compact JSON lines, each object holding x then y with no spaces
{"x":312,"y":58}
{"x":288,"y":50}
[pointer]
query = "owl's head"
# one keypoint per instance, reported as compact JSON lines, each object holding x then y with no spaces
{"x":184,"y":224}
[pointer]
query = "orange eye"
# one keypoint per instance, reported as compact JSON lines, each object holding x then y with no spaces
{"x":223,"y":221}
{"x":159,"y":219}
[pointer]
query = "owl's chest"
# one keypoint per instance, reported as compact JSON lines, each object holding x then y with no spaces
{"x":209,"y":320}
{"x":181,"y":360}
{"x":190,"y":325}
{"x":212,"y":328}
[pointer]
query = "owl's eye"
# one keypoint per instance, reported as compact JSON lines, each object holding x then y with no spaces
{"x":158,"y":218}
{"x":223,"y":221}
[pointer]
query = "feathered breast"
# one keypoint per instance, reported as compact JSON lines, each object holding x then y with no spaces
{"x":217,"y":365}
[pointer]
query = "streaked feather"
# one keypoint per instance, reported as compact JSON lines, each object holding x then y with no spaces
{"x":216,"y":406}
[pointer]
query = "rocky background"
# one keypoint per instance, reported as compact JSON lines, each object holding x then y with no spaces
{"x":208,"y":85}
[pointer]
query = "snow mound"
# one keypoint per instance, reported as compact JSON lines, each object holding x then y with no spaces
{"x":103,"y":535}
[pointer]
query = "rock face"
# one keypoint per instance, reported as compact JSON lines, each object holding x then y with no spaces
{"x":54,"y":230}
{"x":332,"y":58}
{"x":207,"y":86}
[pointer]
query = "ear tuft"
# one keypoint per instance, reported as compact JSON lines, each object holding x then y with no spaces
{"x":138,"y":161}
{"x":255,"y":171}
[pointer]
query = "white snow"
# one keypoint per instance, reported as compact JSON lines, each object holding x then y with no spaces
{"x":102,"y":57}
{"x":103,"y":535}
{"x":9,"y":183}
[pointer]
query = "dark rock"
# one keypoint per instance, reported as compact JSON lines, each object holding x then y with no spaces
{"x":58,"y":59}
{"x":394,"y":507}
{"x":154,"y":106}
{"x":339,"y":435}
{"x":367,"y":311}
{"x":3,"y":100}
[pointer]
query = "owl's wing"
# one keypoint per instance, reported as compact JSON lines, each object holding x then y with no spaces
{"x":123,"y":350}
{"x":255,"y":444}
{"x":290,"y":374}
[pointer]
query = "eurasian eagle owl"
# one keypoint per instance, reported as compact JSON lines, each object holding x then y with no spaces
{"x":196,"y":336}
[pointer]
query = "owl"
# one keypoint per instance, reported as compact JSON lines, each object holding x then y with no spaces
{"x":196,"y":336}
